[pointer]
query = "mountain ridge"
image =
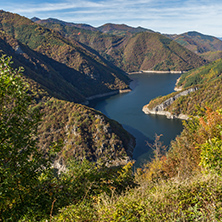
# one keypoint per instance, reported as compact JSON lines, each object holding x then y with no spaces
{"x":143,"y":48}
{"x":198,"y":42}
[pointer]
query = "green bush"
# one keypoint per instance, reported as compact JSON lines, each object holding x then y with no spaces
{"x":211,"y":153}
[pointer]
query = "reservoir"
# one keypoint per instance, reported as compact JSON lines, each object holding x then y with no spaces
{"x":126,"y":108}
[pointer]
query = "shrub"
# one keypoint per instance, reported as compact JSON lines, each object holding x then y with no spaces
{"x":21,"y":163}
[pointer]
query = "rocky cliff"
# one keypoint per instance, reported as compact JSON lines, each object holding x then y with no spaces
{"x":160,"y":109}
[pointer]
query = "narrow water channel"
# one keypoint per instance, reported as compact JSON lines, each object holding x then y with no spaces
{"x":127,"y":109}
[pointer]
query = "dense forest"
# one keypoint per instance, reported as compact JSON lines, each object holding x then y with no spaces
{"x":59,"y":65}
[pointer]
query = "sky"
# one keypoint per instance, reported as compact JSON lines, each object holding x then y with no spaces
{"x":164,"y":16}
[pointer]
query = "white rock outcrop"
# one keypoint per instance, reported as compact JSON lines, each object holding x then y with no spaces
{"x":160,"y":109}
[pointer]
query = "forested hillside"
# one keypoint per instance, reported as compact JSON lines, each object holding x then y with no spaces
{"x":84,"y":132}
{"x":41,"y":69}
{"x":208,"y":47}
{"x":198,"y":42}
{"x":153,"y":51}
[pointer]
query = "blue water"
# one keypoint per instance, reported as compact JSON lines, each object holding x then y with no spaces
{"x":127,"y":109}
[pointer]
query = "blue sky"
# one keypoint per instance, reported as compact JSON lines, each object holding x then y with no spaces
{"x":165,"y":16}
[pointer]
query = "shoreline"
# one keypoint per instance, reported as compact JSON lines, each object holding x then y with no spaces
{"x":103,"y":95}
{"x":165,"y":113}
{"x":160,"y":108}
{"x":157,"y":72}
{"x":120,"y":91}
{"x":176,"y":88}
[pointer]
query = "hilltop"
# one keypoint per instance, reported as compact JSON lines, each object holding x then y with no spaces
{"x":208,"y":47}
{"x":198,"y":42}
{"x":57,"y":21}
{"x":117,"y":29}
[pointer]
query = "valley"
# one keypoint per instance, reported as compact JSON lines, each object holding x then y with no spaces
{"x":79,"y":63}
{"x":127,"y":110}
{"x":91,"y":128}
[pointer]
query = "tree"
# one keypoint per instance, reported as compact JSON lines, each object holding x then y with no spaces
{"x":21,"y":163}
{"x":211,"y":150}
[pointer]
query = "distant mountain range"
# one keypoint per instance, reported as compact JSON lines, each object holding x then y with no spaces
{"x":89,"y":61}
{"x":131,"y":49}
{"x":198,"y":42}
{"x":108,"y":28}
{"x":209,"y":47}
{"x":194,"y":41}
{"x":54,"y":60}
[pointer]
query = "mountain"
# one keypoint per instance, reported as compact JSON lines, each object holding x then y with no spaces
{"x":40,"y":70}
{"x":211,"y":56}
{"x":76,"y":32}
{"x":198,"y":88}
{"x":200,"y":44}
{"x":139,"y":49}
{"x":153,"y":51}
{"x":35,"y":19}
{"x":80,"y":67}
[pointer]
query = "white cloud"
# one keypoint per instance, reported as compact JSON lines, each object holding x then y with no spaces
{"x":170,"y":16}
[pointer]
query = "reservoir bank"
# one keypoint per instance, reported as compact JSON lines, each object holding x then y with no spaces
{"x":126,"y":108}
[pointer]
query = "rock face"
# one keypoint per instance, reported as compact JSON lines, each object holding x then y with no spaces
{"x":159,"y":109}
